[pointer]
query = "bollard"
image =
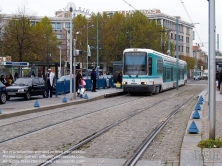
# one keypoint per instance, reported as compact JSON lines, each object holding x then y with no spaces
{"x":197,"y":107}
{"x":200,"y":101}
{"x":85,"y":96}
{"x":193,"y":128}
{"x":36,"y":104}
{"x":64,"y":100}
{"x":196,"y":115}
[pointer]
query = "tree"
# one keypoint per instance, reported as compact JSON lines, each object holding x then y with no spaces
{"x":46,"y":43}
{"x":190,"y":61}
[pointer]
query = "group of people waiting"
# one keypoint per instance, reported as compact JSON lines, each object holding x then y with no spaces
{"x":80,"y":83}
{"x":7,"y":80}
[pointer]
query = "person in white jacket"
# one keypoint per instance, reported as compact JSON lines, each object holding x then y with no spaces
{"x":49,"y":83}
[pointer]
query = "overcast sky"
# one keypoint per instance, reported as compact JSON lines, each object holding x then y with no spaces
{"x":196,"y":9}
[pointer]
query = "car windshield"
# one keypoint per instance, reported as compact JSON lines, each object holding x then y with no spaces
{"x":67,"y":77}
{"x":23,"y":81}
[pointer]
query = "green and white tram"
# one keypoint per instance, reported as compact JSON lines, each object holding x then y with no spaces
{"x":146,"y":70}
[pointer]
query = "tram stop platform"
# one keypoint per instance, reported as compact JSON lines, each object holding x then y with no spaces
{"x":191,"y":154}
{"x":37,"y":104}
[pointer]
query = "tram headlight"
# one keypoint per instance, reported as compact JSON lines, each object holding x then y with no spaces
{"x":144,"y":83}
{"x":124,"y":82}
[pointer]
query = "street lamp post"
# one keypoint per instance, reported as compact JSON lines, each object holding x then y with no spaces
{"x":60,"y":59}
{"x":70,"y":68}
{"x":177,"y":50}
{"x":97,"y":41}
{"x":74,"y":61}
{"x":70,"y":6}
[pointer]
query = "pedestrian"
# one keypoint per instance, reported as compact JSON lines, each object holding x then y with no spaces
{"x":7,"y":82}
{"x":11,"y":79}
{"x":120,"y":77}
{"x":78,"y":76}
{"x":82,"y":83}
{"x":93,"y":79}
{"x":220,"y":81}
{"x":217,"y":80}
{"x":49,"y":83}
{"x":2,"y":79}
{"x":16,"y":75}
{"x":33,"y":74}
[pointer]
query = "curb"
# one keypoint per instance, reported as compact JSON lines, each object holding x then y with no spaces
{"x":190,"y":153}
{"x":60,"y":105}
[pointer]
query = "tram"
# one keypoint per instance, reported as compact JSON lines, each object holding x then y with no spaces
{"x":149,"y":71}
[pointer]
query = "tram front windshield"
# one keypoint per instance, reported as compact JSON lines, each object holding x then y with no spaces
{"x":135,"y":63}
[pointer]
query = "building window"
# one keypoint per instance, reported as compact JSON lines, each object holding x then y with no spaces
{"x":187,"y":49}
{"x":171,"y":35}
{"x":53,"y":26}
{"x":188,"y":31}
{"x":67,"y":25}
{"x":182,"y":38}
{"x":187,"y":39}
{"x":56,"y":26}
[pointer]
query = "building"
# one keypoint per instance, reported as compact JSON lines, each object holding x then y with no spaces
{"x":185,"y":29}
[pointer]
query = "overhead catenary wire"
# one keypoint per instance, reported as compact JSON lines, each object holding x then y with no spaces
{"x":190,"y":19}
{"x":129,"y":5}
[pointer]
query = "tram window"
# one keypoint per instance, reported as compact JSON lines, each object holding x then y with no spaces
{"x":172,"y":74}
{"x":164,"y":74}
{"x":175,"y":73}
{"x":159,"y":66}
{"x":181,"y":74}
{"x":150,"y":66}
{"x":167,"y":73}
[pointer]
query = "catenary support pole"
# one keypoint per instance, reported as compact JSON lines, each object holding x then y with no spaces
{"x":212,"y":92}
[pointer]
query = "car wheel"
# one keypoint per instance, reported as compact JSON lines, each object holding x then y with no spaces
{"x":3,"y":98}
{"x":27,"y":95}
{"x":44,"y":94}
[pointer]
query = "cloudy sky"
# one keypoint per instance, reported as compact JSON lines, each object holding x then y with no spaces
{"x":195,"y":11}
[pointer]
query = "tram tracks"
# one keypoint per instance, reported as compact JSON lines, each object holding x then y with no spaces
{"x":146,"y":142}
{"x":55,"y":123}
{"x":106,"y":129}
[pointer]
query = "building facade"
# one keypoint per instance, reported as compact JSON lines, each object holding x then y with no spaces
{"x":185,"y":29}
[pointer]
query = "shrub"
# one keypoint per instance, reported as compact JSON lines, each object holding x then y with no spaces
{"x":210,"y":143}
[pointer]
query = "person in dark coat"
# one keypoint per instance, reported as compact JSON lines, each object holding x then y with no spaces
{"x":93,"y":79}
{"x":219,"y":81}
{"x":78,"y":76}
{"x":120,"y":78}
{"x":16,"y":75}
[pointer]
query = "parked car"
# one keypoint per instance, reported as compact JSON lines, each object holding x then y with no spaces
{"x":3,"y":93}
{"x":27,"y":87}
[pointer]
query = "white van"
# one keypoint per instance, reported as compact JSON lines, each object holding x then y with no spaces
{"x":197,"y":75}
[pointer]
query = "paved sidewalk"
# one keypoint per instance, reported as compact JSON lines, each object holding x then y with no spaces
{"x":25,"y":107}
{"x":191,"y":154}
